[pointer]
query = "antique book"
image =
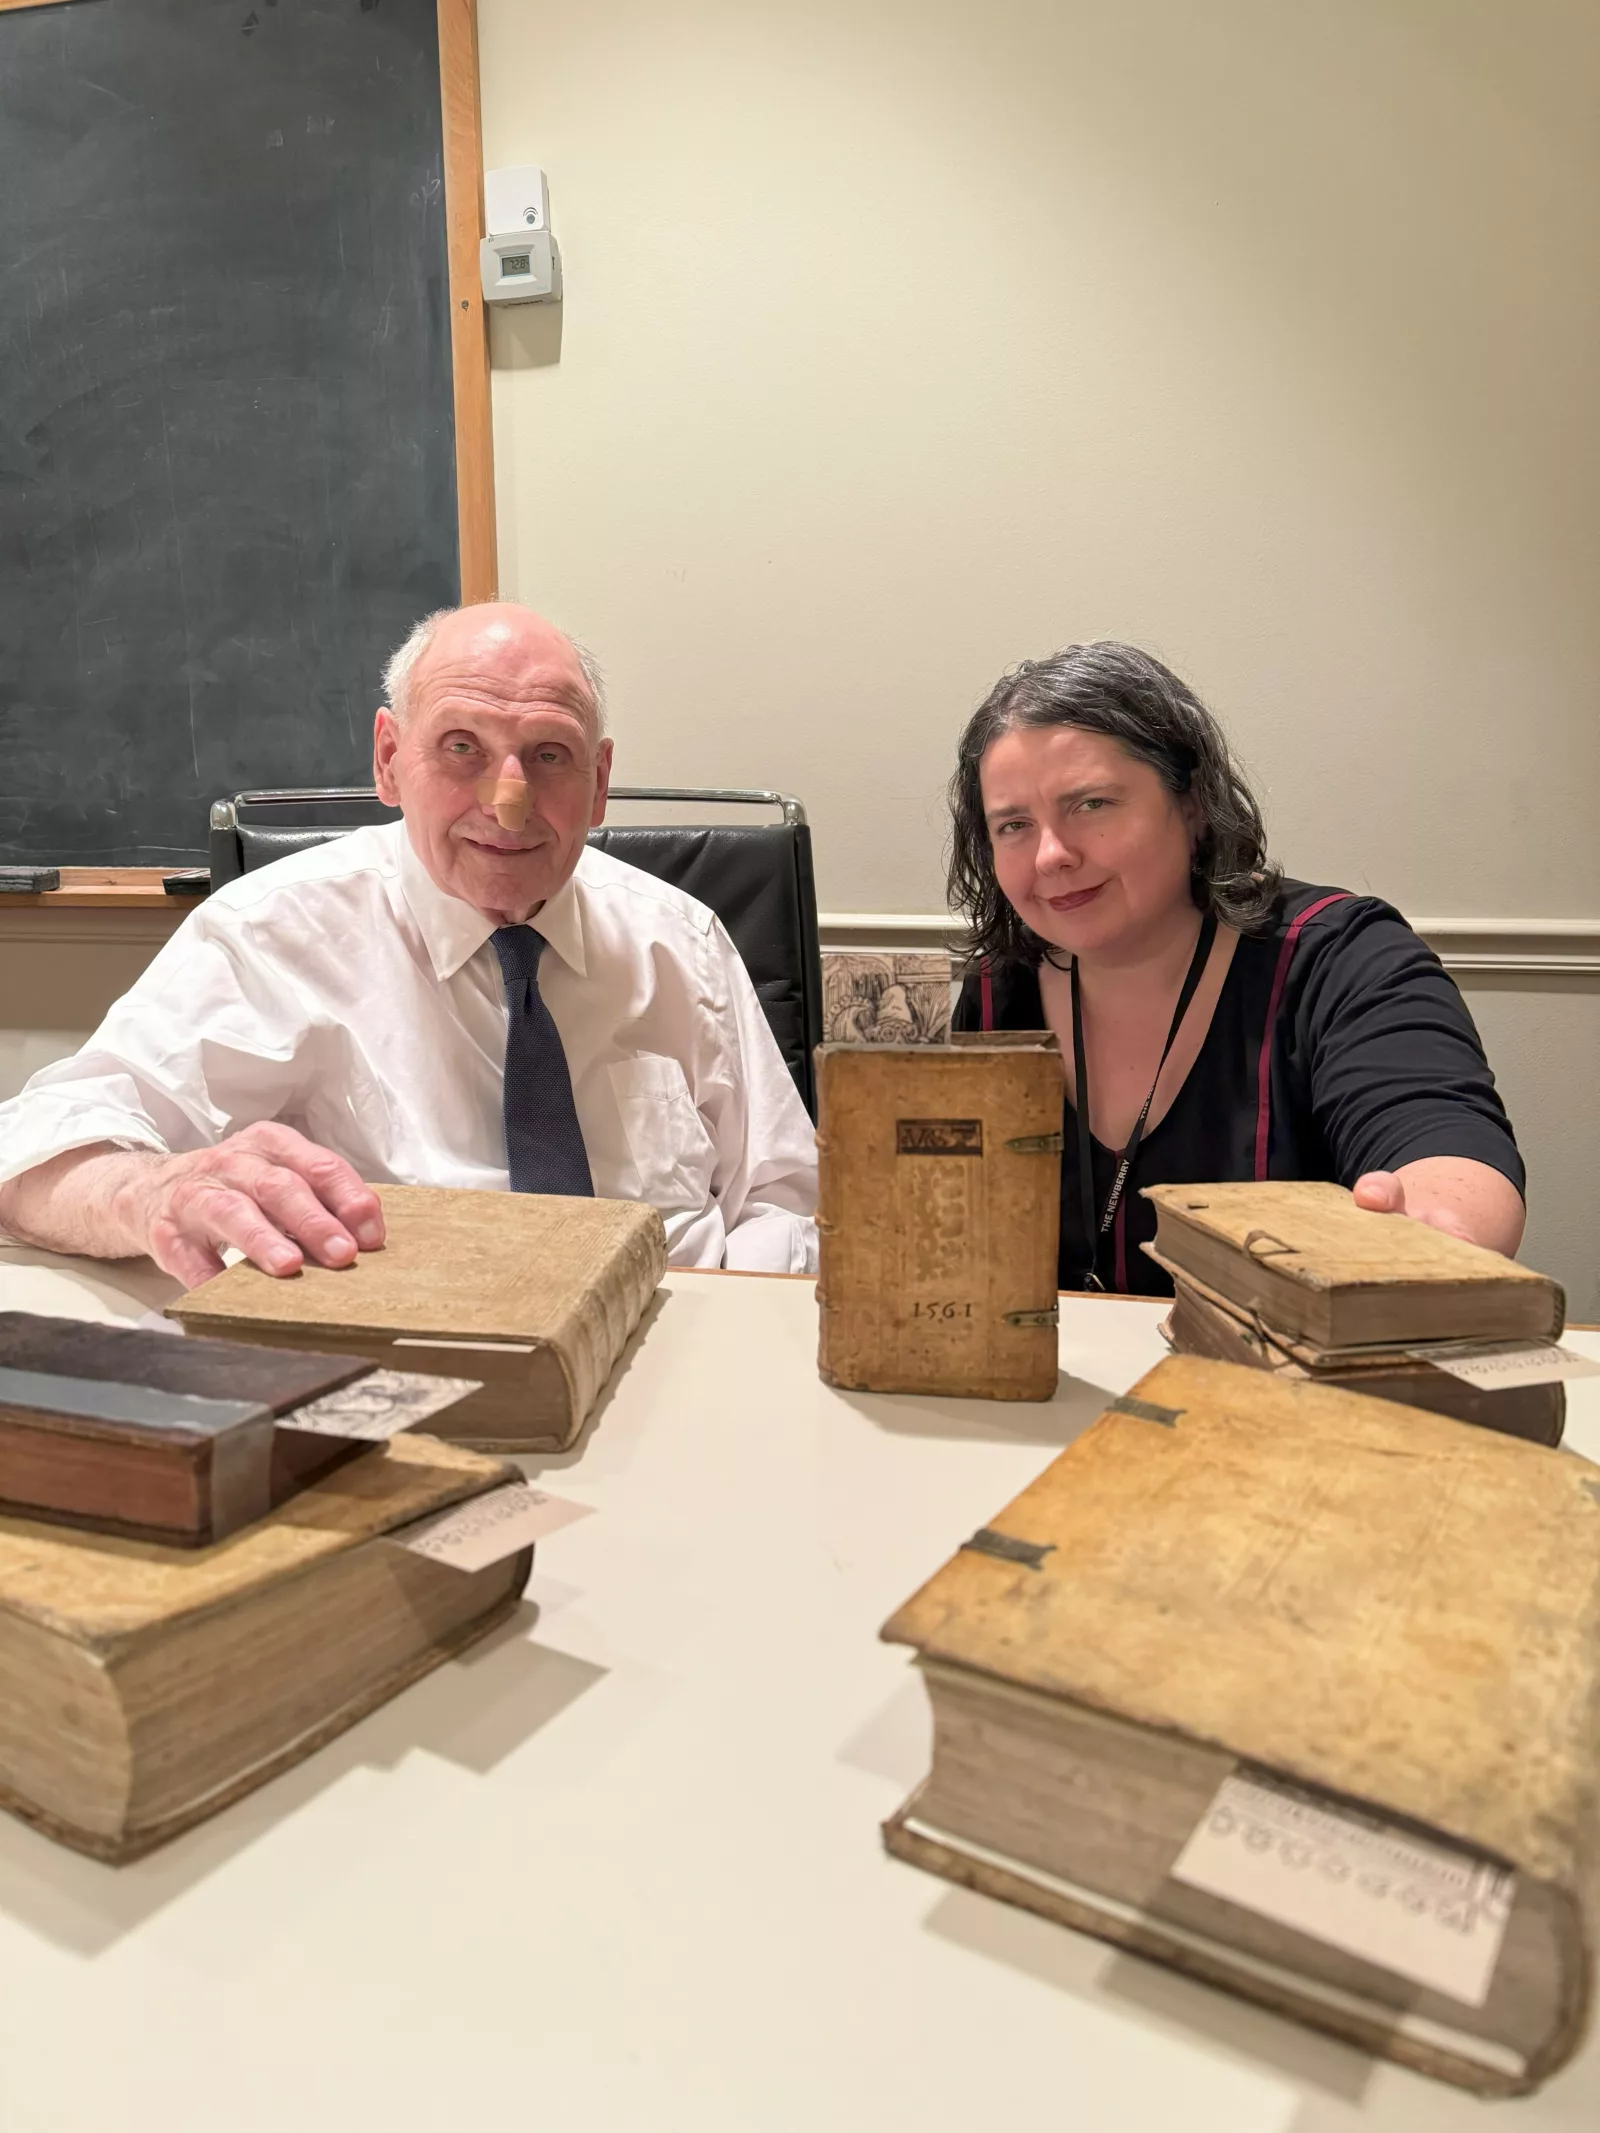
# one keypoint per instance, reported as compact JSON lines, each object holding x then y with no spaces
{"x":1203,"y":1323}
{"x":1238,"y":1608}
{"x":1320,"y":1268}
{"x":534,"y":1295}
{"x":143,"y":1688}
{"x":134,"y":1432}
{"x":938,"y":1209}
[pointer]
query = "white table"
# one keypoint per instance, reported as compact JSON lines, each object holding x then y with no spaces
{"x":619,"y":1870}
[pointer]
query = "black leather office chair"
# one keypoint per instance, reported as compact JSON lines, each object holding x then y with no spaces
{"x":756,"y":876}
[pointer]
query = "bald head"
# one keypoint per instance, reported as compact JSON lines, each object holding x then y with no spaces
{"x":491,"y":745}
{"x":503,"y":641}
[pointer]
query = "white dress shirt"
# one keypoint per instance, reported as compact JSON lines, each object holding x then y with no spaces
{"x":343,"y":992}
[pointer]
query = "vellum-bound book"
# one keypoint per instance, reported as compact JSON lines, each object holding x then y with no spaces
{"x":535,"y":1295}
{"x":1203,"y":1323}
{"x":1325,"y":1271}
{"x":142,"y":1688}
{"x":1296,"y":1691}
{"x":938,"y":1212}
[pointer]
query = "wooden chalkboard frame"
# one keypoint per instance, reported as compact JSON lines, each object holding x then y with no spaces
{"x":469,"y":324}
{"x":469,"y":319}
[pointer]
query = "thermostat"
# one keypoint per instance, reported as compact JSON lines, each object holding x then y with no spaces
{"x":518,"y":260}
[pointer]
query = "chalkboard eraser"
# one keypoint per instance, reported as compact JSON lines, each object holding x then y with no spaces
{"x":28,"y":881}
{"x":188,"y":881}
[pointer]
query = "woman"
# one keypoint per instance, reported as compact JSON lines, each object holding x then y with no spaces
{"x":1227,"y":1023}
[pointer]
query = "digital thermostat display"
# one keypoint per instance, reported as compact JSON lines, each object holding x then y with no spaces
{"x":514,"y":263}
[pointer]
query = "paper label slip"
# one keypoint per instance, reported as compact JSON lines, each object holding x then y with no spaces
{"x":1498,"y":1365}
{"x":1424,"y":1911}
{"x":486,"y":1529}
{"x":375,"y":1407}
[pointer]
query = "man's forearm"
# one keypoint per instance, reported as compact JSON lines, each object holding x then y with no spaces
{"x":91,"y":1201}
{"x":265,"y":1191}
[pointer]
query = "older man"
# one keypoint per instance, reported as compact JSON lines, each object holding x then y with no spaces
{"x":469,"y":997}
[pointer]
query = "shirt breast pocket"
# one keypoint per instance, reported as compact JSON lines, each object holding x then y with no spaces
{"x":673,"y":1154}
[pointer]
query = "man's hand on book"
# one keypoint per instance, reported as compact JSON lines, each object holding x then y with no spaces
{"x":266,"y":1191}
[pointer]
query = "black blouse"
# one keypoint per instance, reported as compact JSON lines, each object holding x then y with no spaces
{"x":1374,"y":1062}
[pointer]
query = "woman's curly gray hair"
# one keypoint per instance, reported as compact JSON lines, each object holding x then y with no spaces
{"x":1117,"y":690}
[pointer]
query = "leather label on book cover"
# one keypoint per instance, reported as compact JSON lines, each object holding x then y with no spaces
{"x":486,"y":1529}
{"x":938,"y":1136}
{"x":1423,"y":1910}
{"x":1498,"y":1366}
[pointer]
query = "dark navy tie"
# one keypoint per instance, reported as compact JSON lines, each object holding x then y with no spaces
{"x":544,"y":1147}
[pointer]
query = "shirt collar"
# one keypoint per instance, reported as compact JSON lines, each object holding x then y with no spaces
{"x":561,"y":922}
{"x":453,"y":932}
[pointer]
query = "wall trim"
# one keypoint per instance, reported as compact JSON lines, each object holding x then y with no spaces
{"x":1535,"y":946}
{"x":1528,"y":946}
{"x":52,"y":925}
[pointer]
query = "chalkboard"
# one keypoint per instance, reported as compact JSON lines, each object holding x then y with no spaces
{"x":227,"y":452}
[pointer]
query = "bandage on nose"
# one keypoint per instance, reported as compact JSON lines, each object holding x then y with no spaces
{"x":506,"y":798}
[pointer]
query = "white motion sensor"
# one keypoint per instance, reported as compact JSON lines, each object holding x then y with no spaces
{"x":518,"y":260}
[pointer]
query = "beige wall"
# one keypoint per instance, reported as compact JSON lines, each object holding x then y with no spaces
{"x":1542,"y":1033}
{"x":59,"y":972}
{"x":903,"y":338}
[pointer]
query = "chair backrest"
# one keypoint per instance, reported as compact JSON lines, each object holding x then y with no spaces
{"x":756,"y":876}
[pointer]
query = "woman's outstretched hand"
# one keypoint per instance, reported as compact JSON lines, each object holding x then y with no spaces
{"x":1462,"y":1198}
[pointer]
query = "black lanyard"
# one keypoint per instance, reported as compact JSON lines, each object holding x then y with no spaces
{"x":1197,"y":964}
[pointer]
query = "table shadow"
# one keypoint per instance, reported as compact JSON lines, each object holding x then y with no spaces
{"x":896,"y":1741}
{"x":1056,"y":1421}
{"x":473,"y":1711}
{"x":1092,"y":1970}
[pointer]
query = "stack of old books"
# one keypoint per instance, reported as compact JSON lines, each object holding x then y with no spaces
{"x":209,"y":1564}
{"x":1296,"y":1279}
{"x":217,"y":1553}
